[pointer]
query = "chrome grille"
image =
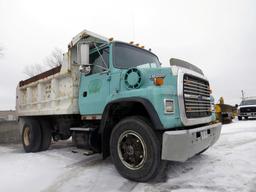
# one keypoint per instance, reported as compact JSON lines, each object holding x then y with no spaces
{"x":196,"y":94}
{"x":247,"y":109}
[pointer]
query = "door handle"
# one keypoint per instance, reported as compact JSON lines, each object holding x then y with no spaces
{"x":85,"y":94}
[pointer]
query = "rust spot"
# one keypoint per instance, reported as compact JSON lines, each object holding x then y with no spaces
{"x":40,"y":76}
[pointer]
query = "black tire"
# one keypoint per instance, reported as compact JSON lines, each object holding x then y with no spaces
{"x":239,"y":118}
{"x":31,"y":135}
{"x":143,"y":144}
{"x":246,"y":118}
{"x":46,"y":135}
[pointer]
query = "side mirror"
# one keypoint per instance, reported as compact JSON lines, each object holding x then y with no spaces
{"x":83,"y":52}
{"x":83,"y":58}
{"x":85,"y":69}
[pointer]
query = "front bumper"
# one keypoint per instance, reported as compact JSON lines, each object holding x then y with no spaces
{"x":184,"y":144}
{"x":251,"y":114}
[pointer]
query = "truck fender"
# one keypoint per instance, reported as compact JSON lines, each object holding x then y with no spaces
{"x":105,"y":125}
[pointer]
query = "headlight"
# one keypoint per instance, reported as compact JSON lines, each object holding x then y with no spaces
{"x":168,"y":106}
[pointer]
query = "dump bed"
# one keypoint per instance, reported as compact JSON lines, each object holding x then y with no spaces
{"x":53,"y":92}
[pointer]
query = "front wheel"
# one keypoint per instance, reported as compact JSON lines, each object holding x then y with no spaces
{"x":135,"y":149}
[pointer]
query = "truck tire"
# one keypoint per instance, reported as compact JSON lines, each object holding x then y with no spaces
{"x":31,"y":135}
{"x":46,"y":137}
{"x":136,"y":150}
{"x":239,"y":118}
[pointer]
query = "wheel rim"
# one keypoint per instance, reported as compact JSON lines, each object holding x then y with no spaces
{"x":132,"y":150}
{"x":26,"y":136}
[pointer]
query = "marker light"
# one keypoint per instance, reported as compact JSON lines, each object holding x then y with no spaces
{"x":158,"y":81}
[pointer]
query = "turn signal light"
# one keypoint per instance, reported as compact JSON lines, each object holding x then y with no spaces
{"x":158,"y":81}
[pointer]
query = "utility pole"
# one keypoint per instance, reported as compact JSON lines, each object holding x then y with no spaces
{"x":242,"y":94}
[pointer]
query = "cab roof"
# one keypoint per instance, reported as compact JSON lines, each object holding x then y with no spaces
{"x":88,"y":35}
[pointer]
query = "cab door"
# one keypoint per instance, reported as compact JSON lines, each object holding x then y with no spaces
{"x":94,"y":88}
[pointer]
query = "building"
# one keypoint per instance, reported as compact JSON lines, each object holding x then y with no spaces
{"x":8,"y":115}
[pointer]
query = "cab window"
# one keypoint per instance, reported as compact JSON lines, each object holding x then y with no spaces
{"x":128,"y":56}
{"x":99,"y":64}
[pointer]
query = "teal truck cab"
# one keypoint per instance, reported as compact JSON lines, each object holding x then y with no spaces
{"x":115,"y":98}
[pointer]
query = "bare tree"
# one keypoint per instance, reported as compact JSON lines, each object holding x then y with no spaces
{"x":1,"y":51}
{"x":32,"y":70}
{"x":54,"y":60}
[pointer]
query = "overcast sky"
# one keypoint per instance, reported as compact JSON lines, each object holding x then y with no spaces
{"x":219,"y":36}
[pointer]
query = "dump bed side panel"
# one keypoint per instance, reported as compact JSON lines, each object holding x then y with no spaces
{"x":50,"y":93}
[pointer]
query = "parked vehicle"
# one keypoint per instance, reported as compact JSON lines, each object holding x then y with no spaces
{"x":115,"y":98}
{"x":247,"y":108}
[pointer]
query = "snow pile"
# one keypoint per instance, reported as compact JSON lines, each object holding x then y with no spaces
{"x":230,"y":165}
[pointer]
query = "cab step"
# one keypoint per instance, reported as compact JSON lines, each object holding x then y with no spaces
{"x":86,"y":129}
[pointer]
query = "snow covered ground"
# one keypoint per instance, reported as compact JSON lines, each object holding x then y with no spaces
{"x":230,"y":165}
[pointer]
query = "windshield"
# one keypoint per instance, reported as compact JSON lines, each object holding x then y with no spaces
{"x":127,"y":56}
{"x":249,"y":102}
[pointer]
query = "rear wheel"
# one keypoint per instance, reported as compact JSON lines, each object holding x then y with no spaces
{"x":46,"y":135}
{"x":246,"y":118}
{"x":31,"y":135}
{"x":135,"y":149}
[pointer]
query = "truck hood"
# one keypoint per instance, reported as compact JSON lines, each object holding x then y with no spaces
{"x":162,"y":71}
{"x":183,"y":64}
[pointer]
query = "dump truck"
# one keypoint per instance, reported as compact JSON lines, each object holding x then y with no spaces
{"x":116,"y":99}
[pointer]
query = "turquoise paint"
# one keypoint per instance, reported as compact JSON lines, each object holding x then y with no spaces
{"x":94,"y":101}
{"x":106,"y":87}
{"x":155,"y":94}
{"x":213,"y":117}
{"x":94,"y":86}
